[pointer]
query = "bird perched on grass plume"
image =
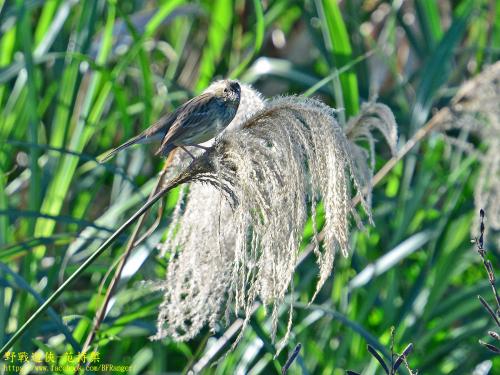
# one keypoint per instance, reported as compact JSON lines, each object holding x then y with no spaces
{"x":196,"y":121}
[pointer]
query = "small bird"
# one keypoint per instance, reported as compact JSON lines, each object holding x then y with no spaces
{"x":196,"y":121}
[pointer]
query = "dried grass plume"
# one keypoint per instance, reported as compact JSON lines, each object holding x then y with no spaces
{"x":475,"y":113}
{"x":236,"y":234}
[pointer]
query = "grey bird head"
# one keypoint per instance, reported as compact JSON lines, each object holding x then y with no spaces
{"x":227,"y":90}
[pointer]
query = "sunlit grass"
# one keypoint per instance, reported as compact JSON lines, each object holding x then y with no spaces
{"x":78,"y":78}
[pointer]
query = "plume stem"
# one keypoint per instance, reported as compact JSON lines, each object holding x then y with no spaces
{"x":182,"y":178}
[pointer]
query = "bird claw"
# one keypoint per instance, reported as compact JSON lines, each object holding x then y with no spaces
{"x":199,"y":146}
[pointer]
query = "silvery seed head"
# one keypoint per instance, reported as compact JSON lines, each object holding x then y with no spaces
{"x":235,"y":236}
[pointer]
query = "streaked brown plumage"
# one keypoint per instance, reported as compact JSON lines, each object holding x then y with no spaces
{"x":196,"y":121}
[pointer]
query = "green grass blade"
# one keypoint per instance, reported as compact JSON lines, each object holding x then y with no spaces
{"x":338,"y":41}
{"x":22,"y":283}
{"x":356,"y":327}
{"x":64,"y":286}
{"x":44,"y":20}
{"x":59,"y":186}
{"x":145,"y":69}
{"x":318,"y":85}
{"x":259,"y":39}
{"x":430,"y":21}
{"x":437,"y":68}
{"x":32,"y":105}
{"x":220,"y":27}
{"x":7,"y":42}
{"x":160,"y":15}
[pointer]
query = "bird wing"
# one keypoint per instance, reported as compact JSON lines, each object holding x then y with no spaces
{"x":151,"y":134}
{"x":190,"y":115}
{"x":164,"y":122}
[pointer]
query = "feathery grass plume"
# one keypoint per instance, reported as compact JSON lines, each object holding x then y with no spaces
{"x":239,"y":235}
{"x":372,"y":116}
{"x":200,"y":222}
{"x":251,"y":101}
{"x":475,"y":111}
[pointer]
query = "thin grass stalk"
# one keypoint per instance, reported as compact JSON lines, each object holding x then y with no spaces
{"x":417,"y":137}
{"x":172,"y":184}
{"x":491,"y":279}
{"x":132,"y":243}
{"x":337,"y":72}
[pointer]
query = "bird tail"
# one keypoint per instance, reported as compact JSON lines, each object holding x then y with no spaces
{"x":110,"y":153}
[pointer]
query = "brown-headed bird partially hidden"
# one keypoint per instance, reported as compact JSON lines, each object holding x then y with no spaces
{"x":196,"y":121}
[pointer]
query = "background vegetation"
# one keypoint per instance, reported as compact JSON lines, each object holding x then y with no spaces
{"x":78,"y":77}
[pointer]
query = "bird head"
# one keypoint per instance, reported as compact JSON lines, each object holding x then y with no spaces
{"x":227,"y":90}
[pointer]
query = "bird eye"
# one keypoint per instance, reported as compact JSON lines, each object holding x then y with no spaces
{"x":226,"y":90}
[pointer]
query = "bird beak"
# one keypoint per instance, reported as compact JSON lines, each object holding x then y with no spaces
{"x":235,"y":86}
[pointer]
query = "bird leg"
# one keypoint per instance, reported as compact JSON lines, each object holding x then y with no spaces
{"x":190,"y":154}
{"x":199,"y":146}
{"x":202,"y":147}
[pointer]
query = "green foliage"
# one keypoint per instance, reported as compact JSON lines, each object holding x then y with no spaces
{"x":79,"y":77}
{"x":338,"y":44}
